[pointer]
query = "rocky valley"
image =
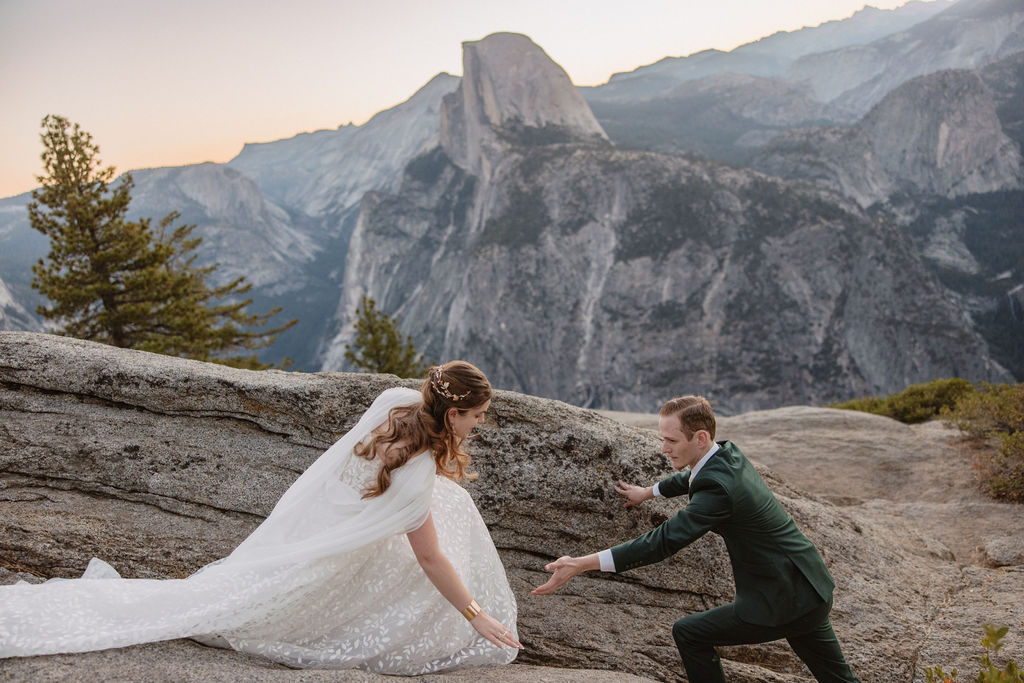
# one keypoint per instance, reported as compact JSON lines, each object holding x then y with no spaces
{"x":816,"y":215}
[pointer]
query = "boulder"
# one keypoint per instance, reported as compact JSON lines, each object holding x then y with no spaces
{"x":160,"y":465}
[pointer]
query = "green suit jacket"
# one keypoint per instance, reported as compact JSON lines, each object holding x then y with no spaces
{"x":778,"y":572}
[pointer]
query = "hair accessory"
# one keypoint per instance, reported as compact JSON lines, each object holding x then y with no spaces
{"x":442,"y":387}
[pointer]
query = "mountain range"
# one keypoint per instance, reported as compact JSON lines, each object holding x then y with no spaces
{"x":820,"y":214}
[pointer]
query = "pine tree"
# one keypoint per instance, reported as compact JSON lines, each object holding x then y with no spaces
{"x":120,"y":282}
{"x":379,"y":346}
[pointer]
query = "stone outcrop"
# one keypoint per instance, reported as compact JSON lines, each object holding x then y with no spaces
{"x":940,"y":134}
{"x":510,"y":89}
{"x":935,"y":135}
{"x":160,"y":465}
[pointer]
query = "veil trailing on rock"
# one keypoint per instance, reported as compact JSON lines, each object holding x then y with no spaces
{"x":327,"y":580}
{"x":292,"y":532}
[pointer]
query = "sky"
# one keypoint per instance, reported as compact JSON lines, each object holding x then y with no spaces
{"x":175,"y":82}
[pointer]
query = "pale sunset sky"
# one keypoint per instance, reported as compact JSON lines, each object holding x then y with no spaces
{"x":173,"y":82}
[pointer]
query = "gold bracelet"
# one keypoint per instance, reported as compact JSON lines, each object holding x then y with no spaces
{"x":471,"y":610}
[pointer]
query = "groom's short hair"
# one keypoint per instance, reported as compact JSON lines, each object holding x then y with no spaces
{"x":694,"y":414}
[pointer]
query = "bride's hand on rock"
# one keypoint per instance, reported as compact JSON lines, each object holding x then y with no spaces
{"x":494,"y":631}
{"x":634,"y":494}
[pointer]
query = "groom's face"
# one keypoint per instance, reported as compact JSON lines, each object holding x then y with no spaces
{"x":681,"y":451}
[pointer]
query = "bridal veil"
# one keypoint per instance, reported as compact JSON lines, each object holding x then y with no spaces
{"x":327,"y":580}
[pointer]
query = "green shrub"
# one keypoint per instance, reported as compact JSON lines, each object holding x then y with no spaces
{"x":995,"y":412}
{"x":989,"y":673}
{"x":916,"y":403}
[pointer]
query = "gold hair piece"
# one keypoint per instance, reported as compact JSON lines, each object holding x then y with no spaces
{"x":442,"y":387}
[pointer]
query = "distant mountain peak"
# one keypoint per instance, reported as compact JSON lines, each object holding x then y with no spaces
{"x":769,"y":56}
{"x":511,"y":86}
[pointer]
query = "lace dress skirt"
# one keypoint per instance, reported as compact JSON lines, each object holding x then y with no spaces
{"x":375,"y":609}
{"x":370,"y":608}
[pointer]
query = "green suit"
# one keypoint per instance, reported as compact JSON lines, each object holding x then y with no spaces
{"x":783,"y":589}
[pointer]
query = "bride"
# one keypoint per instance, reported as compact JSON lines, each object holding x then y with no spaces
{"x":365,"y":562}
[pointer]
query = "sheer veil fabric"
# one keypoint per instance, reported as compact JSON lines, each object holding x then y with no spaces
{"x":327,"y":580}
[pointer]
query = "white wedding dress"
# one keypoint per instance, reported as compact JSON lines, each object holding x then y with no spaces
{"x":328,"y":580}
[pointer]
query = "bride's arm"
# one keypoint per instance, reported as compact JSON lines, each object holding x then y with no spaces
{"x":444,"y":577}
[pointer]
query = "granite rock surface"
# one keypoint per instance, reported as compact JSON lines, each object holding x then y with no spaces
{"x":160,"y":465}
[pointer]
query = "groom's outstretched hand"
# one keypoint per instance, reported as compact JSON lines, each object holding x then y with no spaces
{"x":563,"y":569}
{"x":634,"y":494}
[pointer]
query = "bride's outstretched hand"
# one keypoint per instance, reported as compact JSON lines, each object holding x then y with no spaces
{"x":494,"y":631}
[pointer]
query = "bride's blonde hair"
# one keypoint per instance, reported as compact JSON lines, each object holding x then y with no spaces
{"x":456,"y":384}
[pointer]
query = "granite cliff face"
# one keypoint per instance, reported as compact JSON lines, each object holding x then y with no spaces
{"x":20,"y":247}
{"x":942,"y":155}
{"x":256,"y":238}
{"x":935,"y":135}
{"x":160,"y":465}
{"x":615,"y":278}
{"x":1005,"y":79}
{"x":510,"y":88}
{"x":13,"y":315}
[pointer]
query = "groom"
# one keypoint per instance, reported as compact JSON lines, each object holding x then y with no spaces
{"x":783,"y":589}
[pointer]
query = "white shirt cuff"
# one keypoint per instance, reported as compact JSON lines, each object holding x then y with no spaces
{"x":607,"y":561}
{"x":656,"y":490}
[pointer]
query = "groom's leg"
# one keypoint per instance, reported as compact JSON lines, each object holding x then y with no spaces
{"x":697,"y":635}
{"x":819,"y":649}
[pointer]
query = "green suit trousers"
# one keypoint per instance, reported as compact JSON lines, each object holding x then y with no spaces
{"x":810,"y":635}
